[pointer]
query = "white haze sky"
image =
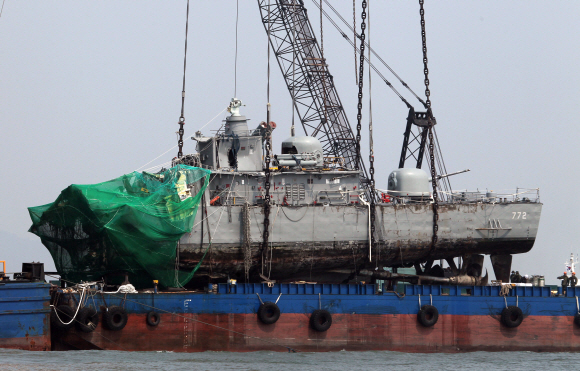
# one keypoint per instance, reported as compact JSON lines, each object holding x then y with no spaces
{"x":90,"y":90}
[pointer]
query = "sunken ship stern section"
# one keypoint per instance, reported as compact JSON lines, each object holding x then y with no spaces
{"x":309,"y":242}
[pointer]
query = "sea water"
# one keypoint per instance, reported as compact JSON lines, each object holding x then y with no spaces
{"x":268,"y":361}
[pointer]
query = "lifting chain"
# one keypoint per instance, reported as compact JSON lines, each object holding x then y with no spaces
{"x":371,"y":145}
{"x":180,"y":140}
{"x":268,"y":148}
{"x":181,"y":117}
{"x":354,"y":39}
{"x":247,"y":242}
{"x":425,"y":69}
{"x":360,"y":82}
{"x":434,"y":183}
{"x":430,"y":128}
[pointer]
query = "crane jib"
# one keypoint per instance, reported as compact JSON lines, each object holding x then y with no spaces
{"x":309,"y":81}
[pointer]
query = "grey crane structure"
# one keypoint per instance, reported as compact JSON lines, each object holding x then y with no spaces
{"x":309,"y":81}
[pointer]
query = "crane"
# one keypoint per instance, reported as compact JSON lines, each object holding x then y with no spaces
{"x":308,"y":79}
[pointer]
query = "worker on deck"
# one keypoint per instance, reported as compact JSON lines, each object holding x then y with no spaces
{"x":565,"y":281}
{"x":518,"y":277}
{"x":573,"y":280}
{"x":512,"y":276}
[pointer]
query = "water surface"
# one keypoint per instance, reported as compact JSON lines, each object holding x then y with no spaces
{"x":268,"y":361}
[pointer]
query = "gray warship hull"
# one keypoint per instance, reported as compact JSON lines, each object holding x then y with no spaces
{"x":309,"y":242}
{"x":319,"y":221}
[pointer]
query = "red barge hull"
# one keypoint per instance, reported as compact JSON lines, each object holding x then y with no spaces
{"x":352,"y":332}
{"x":363,"y":318}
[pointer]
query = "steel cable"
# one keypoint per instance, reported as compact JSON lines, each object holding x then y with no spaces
{"x":236,"y":57}
{"x":373,"y":51}
{"x":344,"y":35}
{"x":181,"y":117}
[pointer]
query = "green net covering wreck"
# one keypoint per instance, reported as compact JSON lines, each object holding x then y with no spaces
{"x":131,"y":224}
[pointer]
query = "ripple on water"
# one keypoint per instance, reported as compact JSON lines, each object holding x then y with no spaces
{"x":267,"y":361}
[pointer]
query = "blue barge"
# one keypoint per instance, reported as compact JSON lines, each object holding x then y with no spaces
{"x":354,"y":317}
{"x":25,"y":315}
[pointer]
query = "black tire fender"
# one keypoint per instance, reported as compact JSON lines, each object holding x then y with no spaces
{"x":115,"y":318}
{"x":512,"y":316}
{"x":428,"y":315}
{"x":577,"y":319}
{"x":65,"y":313}
{"x":268,"y":313}
{"x":87,"y":319}
{"x":153,"y":318}
{"x":320,"y":320}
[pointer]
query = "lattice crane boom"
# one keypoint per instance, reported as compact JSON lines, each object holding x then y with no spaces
{"x":308,"y":79}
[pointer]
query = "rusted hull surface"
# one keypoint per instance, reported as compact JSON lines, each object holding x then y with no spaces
{"x":41,"y":343}
{"x":25,"y":316}
{"x":313,"y":262}
{"x":310,"y":239}
{"x":452,"y":333}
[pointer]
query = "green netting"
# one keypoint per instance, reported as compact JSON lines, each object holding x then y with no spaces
{"x":129,"y":224}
